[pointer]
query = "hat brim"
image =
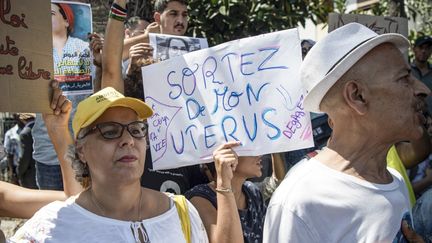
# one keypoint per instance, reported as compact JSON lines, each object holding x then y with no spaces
{"x":142,"y":109}
{"x":314,"y":97}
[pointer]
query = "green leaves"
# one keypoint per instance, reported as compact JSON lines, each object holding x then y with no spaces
{"x":224,"y":20}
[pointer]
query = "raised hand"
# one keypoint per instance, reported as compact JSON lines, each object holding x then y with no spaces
{"x":153,"y":28}
{"x":140,"y":54}
{"x":61,"y":107}
{"x":226,"y":160}
{"x":96,"y":45}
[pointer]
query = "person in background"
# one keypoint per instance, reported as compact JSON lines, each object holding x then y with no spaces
{"x":231,"y":207}
{"x":171,"y":18}
{"x":421,"y":68}
{"x":12,"y":147}
{"x":135,"y":26}
{"x":26,"y":170}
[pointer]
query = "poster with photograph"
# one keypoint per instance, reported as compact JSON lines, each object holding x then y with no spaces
{"x":72,"y":59}
{"x":168,"y":46}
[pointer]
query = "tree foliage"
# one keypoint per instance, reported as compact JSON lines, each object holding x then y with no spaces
{"x":223,"y":20}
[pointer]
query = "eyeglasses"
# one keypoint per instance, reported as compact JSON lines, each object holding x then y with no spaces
{"x":113,"y":130}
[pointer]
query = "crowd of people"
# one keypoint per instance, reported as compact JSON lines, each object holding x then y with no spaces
{"x":83,"y":173}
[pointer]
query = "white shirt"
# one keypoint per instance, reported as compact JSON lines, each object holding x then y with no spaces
{"x":315,"y":203}
{"x":69,"y":222}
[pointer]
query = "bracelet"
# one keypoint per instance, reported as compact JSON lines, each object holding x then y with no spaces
{"x":117,"y":17}
{"x":116,"y":6}
{"x":224,"y":190}
{"x":118,"y":13}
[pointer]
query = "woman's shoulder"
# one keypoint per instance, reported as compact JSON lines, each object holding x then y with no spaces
{"x":202,"y":191}
{"x":198,"y":190}
{"x":52,"y":209}
{"x":40,"y":226}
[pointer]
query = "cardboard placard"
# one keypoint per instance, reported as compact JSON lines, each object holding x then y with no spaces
{"x":379,"y":24}
{"x":26,"y":63}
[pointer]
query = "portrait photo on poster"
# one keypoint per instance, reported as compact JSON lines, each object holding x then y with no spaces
{"x":72,"y":60}
{"x":169,"y":46}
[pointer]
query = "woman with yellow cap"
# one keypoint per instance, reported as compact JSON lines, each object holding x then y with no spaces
{"x":108,"y":155}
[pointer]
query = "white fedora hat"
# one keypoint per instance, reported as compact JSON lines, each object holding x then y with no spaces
{"x":335,"y":54}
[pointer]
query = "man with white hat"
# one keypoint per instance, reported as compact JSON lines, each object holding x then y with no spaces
{"x":346,"y":193}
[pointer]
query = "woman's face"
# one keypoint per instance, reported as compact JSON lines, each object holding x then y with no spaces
{"x":114,"y":160}
{"x":59,"y":24}
{"x":249,"y":166}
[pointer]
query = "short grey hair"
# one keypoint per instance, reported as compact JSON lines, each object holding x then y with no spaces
{"x":82,"y":172}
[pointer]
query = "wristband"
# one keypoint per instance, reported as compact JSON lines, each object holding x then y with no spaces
{"x":116,"y":6}
{"x":117,"y":17}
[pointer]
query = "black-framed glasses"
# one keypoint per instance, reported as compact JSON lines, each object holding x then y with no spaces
{"x":113,"y":130}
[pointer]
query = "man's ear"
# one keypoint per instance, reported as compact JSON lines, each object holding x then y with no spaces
{"x":156,"y":17}
{"x":354,"y":95}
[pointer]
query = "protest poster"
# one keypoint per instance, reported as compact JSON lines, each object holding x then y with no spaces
{"x":168,"y":46}
{"x":72,"y":60}
{"x":379,"y":24}
{"x":26,"y":64}
{"x":247,"y":90}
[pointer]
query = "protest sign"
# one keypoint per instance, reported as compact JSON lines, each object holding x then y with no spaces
{"x":247,"y":90}
{"x":168,"y":46}
{"x":379,"y":24}
{"x":26,"y":64}
{"x":72,"y":62}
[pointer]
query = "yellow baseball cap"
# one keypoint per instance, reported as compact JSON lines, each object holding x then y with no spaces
{"x":95,"y":105}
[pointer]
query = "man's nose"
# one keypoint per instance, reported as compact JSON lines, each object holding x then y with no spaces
{"x":420,"y":89}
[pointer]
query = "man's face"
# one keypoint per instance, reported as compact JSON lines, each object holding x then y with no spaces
{"x":176,"y":48}
{"x":138,"y":30}
{"x":174,"y":20}
{"x":422,"y":52}
{"x":394,"y":97}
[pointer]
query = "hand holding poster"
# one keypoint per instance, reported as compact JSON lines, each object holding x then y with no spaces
{"x":25,"y":56}
{"x":169,"y":46}
{"x":247,"y":90}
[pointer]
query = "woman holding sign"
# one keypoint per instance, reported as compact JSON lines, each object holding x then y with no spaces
{"x":108,"y":153}
{"x":232,"y":209}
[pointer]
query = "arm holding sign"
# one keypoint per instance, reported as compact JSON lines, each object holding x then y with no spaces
{"x":58,"y":130}
{"x":96,"y":45}
{"x":19,"y":202}
{"x":223,"y":224}
{"x":112,"y":50}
